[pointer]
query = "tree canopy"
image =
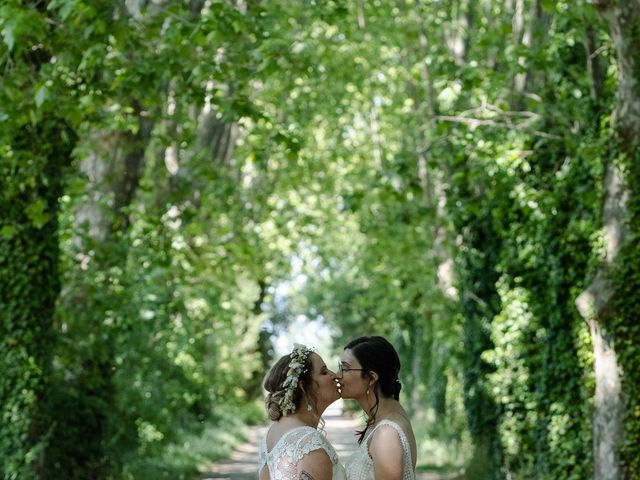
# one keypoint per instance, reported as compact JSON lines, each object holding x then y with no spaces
{"x":462,"y":177}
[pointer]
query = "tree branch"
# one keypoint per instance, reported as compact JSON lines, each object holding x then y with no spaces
{"x":480,"y":122}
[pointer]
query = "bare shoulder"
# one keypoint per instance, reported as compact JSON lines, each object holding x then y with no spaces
{"x":404,"y":423}
{"x":385,"y":438}
{"x":387,"y":445}
{"x":315,"y":465}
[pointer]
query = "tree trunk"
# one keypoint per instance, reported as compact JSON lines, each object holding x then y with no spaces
{"x":533,"y":38}
{"x":623,"y":17}
{"x":29,"y":287}
{"x":113,"y":171}
{"x":434,"y":200}
{"x":594,"y":66}
{"x":457,"y":39}
{"x":592,"y":304}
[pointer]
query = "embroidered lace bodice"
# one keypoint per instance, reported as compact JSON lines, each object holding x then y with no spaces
{"x":359,"y":466}
{"x":282,"y":461}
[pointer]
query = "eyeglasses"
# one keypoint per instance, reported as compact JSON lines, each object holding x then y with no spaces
{"x":342,"y":369}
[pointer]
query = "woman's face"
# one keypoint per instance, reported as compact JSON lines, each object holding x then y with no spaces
{"x":352,"y":384}
{"x":326,"y":390}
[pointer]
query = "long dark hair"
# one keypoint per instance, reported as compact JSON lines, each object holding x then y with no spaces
{"x":376,"y":354}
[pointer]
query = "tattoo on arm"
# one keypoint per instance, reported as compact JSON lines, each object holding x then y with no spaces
{"x":305,"y":476}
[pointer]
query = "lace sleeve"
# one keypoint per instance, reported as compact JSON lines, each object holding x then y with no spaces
{"x":310,"y":442}
{"x":293,"y":446}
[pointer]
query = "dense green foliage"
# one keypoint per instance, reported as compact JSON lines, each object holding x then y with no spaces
{"x":623,"y":320}
{"x":429,"y":171}
{"x":29,"y":251}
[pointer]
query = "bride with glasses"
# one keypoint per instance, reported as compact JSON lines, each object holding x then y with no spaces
{"x":368,"y":373}
{"x":299,"y":389}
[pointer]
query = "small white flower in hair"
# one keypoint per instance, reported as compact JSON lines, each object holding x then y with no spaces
{"x":296,"y":368}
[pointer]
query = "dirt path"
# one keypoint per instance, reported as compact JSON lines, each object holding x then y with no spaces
{"x":243,"y":463}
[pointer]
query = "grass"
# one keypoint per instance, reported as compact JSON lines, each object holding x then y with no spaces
{"x":190,"y":452}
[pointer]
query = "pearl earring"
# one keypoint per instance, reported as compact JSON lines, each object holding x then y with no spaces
{"x":309,"y":407}
{"x":367,"y":392}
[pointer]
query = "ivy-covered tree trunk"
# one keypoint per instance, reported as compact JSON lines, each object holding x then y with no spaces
{"x":86,"y":393}
{"x":31,"y":183}
{"x":479,"y":299}
{"x":594,"y":303}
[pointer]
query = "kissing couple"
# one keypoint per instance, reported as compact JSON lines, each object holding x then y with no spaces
{"x":300,"y":387}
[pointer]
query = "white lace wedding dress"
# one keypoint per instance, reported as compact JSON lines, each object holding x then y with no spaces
{"x":360,"y":465}
{"x":282,"y":461}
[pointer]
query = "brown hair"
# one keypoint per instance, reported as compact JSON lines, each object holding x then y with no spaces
{"x":275,"y":391}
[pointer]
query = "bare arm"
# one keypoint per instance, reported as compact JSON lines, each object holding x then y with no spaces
{"x":387,"y":454}
{"x":315,"y":465}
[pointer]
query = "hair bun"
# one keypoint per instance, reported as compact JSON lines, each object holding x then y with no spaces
{"x":273,"y":406}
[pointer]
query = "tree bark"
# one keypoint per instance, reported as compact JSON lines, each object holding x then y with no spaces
{"x":430,"y":368}
{"x":623,"y":17}
{"x":594,"y":65}
{"x":457,"y":39}
{"x":113,"y":170}
{"x":592,"y":305}
{"x":533,"y":38}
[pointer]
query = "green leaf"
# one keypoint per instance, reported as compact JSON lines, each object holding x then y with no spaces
{"x":8,"y":36}
{"x":66,"y":10}
{"x":8,"y":231}
{"x":549,"y":5}
{"x":41,"y":95}
{"x":36,"y":213}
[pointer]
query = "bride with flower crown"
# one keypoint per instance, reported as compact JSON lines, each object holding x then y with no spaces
{"x":299,"y":389}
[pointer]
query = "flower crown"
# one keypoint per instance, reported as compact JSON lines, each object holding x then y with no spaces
{"x":297,"y":367}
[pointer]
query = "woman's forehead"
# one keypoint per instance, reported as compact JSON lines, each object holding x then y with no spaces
{"x":349,"y":357}
{"x":316,"y":360}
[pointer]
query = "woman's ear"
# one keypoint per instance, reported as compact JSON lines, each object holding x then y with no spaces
{"x":373,"y":378}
